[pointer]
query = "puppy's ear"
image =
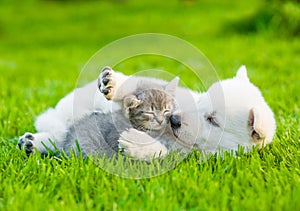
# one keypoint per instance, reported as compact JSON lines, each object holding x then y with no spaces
{"x":171,"y":86}
{"x":242,"y":73}
{"x":255,"y":125}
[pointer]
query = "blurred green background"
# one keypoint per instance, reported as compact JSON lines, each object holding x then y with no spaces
{"x":45,"y":44}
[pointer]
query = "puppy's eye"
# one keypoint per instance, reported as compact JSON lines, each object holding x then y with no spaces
{"x":212,"y":120}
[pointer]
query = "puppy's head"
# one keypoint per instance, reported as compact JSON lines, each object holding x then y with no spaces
{"x":235,"y":113}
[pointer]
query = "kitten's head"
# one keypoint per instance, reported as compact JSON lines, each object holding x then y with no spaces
{"x":150,"y":109}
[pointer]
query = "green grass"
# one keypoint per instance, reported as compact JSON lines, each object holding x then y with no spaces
{"x":44,"y":45}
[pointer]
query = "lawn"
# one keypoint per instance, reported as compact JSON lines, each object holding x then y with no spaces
{"x":44,"y":46}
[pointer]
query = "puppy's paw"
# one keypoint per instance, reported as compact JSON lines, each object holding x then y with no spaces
{"x":26,"y":143}
{"x":106,"y":82}
{"x":140,"y":145}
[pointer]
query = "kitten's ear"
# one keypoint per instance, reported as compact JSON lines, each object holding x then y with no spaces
{"x":242,"y":73}
{"x":131,"y":101}
{"x":171,"y":86}
{"x":255,"y":124}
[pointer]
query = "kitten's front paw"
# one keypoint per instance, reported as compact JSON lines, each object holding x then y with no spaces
{"x":26,"y":143}
{"x":106,"y":82}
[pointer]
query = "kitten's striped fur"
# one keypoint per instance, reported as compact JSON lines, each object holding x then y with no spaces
{"x":149,"y":109}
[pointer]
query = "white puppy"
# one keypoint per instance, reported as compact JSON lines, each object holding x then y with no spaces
{"x":230,"y":114}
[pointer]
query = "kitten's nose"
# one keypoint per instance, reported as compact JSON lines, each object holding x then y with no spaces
{"x":160,"y":120}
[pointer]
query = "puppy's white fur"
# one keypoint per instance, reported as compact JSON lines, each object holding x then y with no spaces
{"x":234,"y":101}
{"x":230,"y":114}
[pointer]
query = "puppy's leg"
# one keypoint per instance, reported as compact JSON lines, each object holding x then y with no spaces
{"x":30,"y":142}
{"x":109,"y":81}
{"x":140,"y":145}
{"x":115,"y":86}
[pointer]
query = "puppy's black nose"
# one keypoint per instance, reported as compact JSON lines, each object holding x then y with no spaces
{"x":175,"y":121}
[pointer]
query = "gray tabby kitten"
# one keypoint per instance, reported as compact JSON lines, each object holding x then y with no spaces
{"x":146,"y":109}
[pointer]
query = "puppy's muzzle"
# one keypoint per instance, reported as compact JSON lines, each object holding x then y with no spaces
{"x":175,"y":121}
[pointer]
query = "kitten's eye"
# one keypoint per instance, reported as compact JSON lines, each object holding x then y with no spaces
{"x":166,"y":112}
{"x":212,"y":120}
{"x":148,"y":112}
